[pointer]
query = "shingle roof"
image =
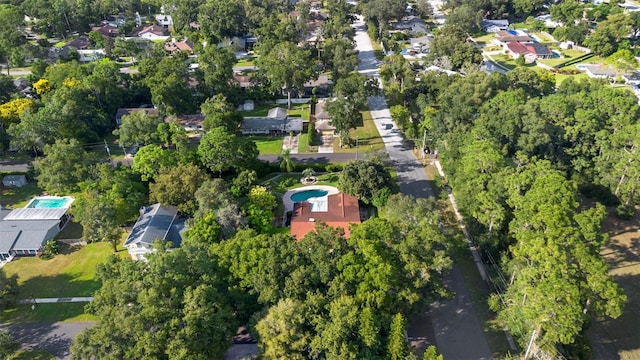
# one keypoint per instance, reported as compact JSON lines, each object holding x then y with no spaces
{"x":154,"y":223}
{"x":26,"y":234}
{"x":277,"y":113}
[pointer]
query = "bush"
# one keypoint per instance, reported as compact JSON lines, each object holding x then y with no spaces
{"x":334,"y":167}
{"x":50,"y":249}
{"x":625,"y":212}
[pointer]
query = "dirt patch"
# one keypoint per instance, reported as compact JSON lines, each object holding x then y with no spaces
{"x":620,"y":338}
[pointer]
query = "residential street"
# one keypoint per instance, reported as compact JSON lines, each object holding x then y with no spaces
{"x":56,"y":338}
{"x":456,"y":328}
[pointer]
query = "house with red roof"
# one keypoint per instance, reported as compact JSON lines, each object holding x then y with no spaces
{"x":337,"y":210}
{"x":177,"y":46}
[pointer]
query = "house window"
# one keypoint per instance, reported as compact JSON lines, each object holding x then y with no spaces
{"x":32,"y":252}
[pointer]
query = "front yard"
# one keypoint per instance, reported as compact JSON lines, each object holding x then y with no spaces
{"x":369,"y":139}
{"x":268,"y":145}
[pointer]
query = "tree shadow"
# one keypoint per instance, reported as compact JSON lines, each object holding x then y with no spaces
{"x":55,"y":338}
{"x":61,"y":285}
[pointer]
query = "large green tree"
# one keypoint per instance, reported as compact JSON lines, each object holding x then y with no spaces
{"x":63,"y":167}
{"x":177,"y":186}
{"x":221,"y":151}
{"x":287,"y":67}
{"x":559,"y":278}
{"x":138,"y":128}
{"x":365,"y":179}
{"x":176,"y":306}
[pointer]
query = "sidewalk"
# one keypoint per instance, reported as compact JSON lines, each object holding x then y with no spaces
{"x":56,"y":300}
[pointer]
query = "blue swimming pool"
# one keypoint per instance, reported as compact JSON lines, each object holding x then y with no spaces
{"x":307,"y":194}
{"x":49,"y":203}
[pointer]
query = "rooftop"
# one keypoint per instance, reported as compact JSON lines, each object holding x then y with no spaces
{"x":155,"y":222}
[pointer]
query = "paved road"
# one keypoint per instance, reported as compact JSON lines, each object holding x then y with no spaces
{"x":314,"y":158}
{"x":457,"y":331}
{"x":8,"y":165}
{"x":56,"y":338}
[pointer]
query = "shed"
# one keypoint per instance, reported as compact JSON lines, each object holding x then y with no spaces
{"x":14,"y":181}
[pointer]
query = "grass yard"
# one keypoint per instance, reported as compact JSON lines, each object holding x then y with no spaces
{"x":268,"y":145}
{"x":72,"y":230}
{"x":246,"y":61}
{"x":377,"y":50}
{"x":69,"y":312}
{"x":369,"y":139}
{"x":19,"y":197}
{"x":303,"y":145}
{"x":292,"y":181}
{"x":70,"y":273}
{"x":297,"y":110}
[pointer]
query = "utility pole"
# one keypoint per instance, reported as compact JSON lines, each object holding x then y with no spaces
{"x":106,"y":146}
{"x":424,"y":141}
{"x":357,"y":147}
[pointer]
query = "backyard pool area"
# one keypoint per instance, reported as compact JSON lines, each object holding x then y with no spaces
{"x":307,"y":193}
{"x":50,"y":202}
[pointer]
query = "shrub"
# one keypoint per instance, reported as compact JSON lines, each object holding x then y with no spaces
{"x":625,"y":212}
{"x":50,"y":249}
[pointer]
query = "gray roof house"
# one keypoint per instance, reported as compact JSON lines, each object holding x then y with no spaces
{"x":491,"y":25}
{"x":25,"y":231}
{"x":276,"y":122}
{"x":156,"y":221}
{"x":14,"y":181}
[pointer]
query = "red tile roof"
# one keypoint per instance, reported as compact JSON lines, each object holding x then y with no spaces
{"x":342,"y":210}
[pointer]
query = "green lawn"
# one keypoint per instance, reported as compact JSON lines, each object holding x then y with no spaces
{"x":377,"y":50}
{"x":297,"y":110}
{"x":268,"y":145}
{"x":369,"y":139}
{"x":19,"y":197}
{"x":292,"y":181}
{"x":68,"y":274}
{"x":247,"y":61}
{"x":72,"y":230}
{"x":303,"y":144}
{"x":69,"y":312}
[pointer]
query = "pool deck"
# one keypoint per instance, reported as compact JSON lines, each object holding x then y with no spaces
{"x":288,"y":203}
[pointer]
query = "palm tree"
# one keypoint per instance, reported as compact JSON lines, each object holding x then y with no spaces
{"x":307,"y":173}
{"x":286,"y":164}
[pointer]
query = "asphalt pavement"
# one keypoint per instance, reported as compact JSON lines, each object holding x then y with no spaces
{"x":56,"y":338}
{"x":456,"y":330}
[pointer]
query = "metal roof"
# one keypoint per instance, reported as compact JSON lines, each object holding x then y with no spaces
{"x":36,"y":214}
{"x":154,"y":223}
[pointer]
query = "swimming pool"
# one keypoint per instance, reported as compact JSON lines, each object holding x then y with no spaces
{"x":307,"y":194}
{"x":49,"y":202}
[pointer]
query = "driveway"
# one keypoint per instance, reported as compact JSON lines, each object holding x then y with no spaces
{"x":56,"y":338}
{"x":456,"y":330}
